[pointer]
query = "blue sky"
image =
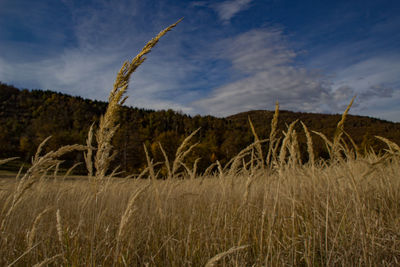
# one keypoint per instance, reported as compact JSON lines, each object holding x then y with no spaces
{"x":224,"y":57}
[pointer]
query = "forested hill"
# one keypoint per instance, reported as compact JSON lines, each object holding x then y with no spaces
{"x":361,"y":129}
{"x":28,"y":117}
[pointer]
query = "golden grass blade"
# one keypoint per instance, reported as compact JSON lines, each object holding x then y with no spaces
{"x":4,"y":161}
{"x":32,"y":232}
{"x":294,"y":149}
{"x":213,"y":261}
{"x":392,"y":145}
{"x":126,"y":216}
{"x":88,"y":156}
{"x":68,"y":172}
{"x":285,"y":142}
{"x":340,"y":125}
{"x":249,"y":182}
{"x":40,"y":166}
{"x":22,"y":255}
{"x":39,"y":149}
{"x":310,"y":147}
{"x":142,"y":173}
{"x":258,"y":146}
{"x":167,"y":165}
{"x":60,"y":232}
{"x":108,"y":122}
{"x":209,"y":169}
{"x":47,"y":261}
{"x":328,"y":143}
{"x":55,"y":174}
{"x":64,"y":150}
{"x":340,"y":128}
{"x":353,"y":143}
{"x":235,"y":162}
{"x":184,"y":154}
{"x":194,"y":170}
{"x":220,"y":170}
{"x":191,"y":173}
{"x":149,"y":164}
{"x":272,"y":135}
{"x":181,"y":153}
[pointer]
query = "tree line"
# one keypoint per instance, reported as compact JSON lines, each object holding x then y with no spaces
{"x":27,"y":117}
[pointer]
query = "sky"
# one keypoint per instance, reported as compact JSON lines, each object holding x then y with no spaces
{"x":225,"y":57}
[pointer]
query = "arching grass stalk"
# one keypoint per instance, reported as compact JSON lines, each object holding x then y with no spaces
{"x":108,"y":122}
{"x":109,"y":125}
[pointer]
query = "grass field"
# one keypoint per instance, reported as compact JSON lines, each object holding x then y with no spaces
{"x":264,"y":208}
{"x":347,"y":214}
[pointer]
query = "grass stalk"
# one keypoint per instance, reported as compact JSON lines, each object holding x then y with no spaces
{"x":272,"y":135}
{"x":108,"y":122}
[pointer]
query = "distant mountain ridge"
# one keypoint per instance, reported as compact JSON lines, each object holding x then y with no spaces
{"x":28,"y":117}
{"x":259,"y":117}
{"x":304,"y":115}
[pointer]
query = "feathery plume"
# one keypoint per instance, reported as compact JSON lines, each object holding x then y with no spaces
{"x":108,"y":122}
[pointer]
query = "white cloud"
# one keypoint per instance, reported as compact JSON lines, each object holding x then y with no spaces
{"x":263,"y":61}
{"x":106,"y":34}
{"x":373,"y":79}
{"x":199,"y":4}
{"x":371,"y":72}
{"x":86,"y":66}
{"x":264,"y":71}
{"x":228,"y":9}
{"x":87,"y":75}
{"x":367,"y":66}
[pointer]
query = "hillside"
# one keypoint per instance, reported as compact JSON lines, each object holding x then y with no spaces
{"x":361,"y":129}
{"x":27,"y":117}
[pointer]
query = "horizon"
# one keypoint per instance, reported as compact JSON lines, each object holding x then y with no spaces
{"x":224,"y":58}
{"x":193,"y":115}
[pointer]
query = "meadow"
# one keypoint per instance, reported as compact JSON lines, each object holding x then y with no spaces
{"x":263,"y":208}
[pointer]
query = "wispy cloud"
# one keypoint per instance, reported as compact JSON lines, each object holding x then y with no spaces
{"x":105,"y":35}
{"x":228,"y":9}
{"x":376,"y":83}
{"x":368,"y":68}
{"x":264,"y":70}
{"x":71,"y":72}
{"x":371,"y":72}
{"x":263,"y":61}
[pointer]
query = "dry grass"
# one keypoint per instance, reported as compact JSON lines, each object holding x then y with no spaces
{"x":108,"y":123}
{"x":346,"y":214}
{"x":254,"y":211}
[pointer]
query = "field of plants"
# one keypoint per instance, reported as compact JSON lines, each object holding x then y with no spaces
{"x":263,"y":208}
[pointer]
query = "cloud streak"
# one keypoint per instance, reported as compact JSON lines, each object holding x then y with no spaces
{"x":264,"y":69}
{"x":228,"y":9}
{"x":105,"y":35}
{"x":263,"y":61}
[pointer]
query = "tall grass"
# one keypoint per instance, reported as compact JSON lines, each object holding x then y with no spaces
{"x":264,"y":208}
{"x":344,"y":214}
